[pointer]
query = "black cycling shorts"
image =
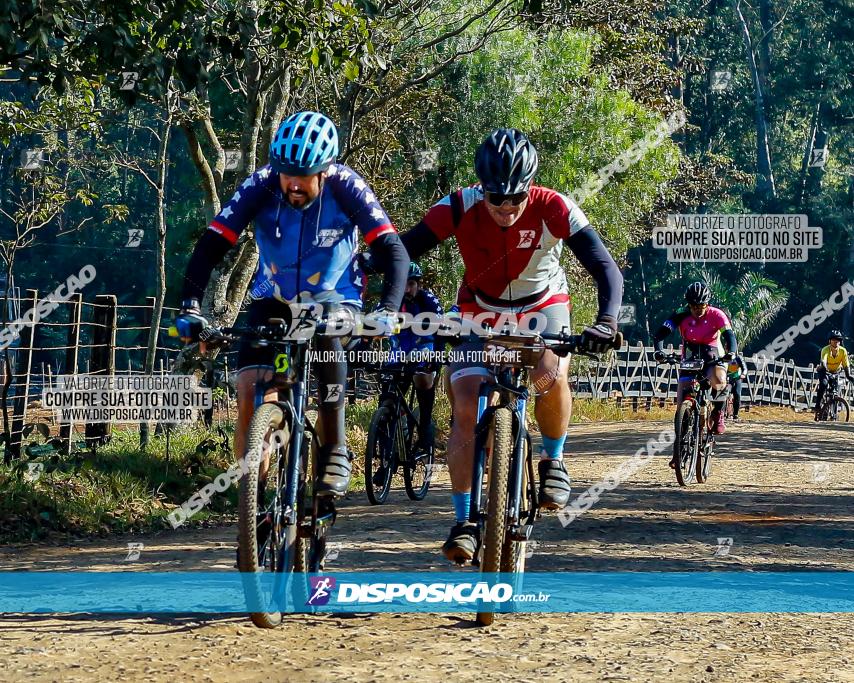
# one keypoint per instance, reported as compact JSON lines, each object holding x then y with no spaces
{"x":260,"y":311}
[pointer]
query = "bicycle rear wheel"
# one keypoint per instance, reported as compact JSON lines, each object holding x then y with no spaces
{"x":380,"y":454}
{"x":494,"y":532}
{"x":839,"y":410}
{"x":418,"y":467}
{"x":265,"y":543}
{"x":685,"y":444}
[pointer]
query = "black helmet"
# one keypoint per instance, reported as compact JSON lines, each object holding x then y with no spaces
{"x":835,"y":334}
{"x":414,"y":272}
{"x":506,"y":162}
{"x":698,"y":293}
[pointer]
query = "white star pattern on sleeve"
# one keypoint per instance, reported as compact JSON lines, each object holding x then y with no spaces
{"x":369,"y":197}
{"x":377,"y":213}
{"x":359,"y":184}
{"x":344,"y":175}
{"x":249,"y":182}
{"x":264,"y":172}
{"x":226,"y":212}
{"x":236,"y":197}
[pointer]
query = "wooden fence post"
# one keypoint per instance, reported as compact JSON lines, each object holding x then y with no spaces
{"x":148,"y":317}
{"x":103,"y":358}
{"x":71,"y":356}
{"x":24,"y":365}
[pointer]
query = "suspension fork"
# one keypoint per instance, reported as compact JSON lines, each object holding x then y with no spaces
{"x":481,"y":431}
{"x":297,"y":410}
{"x":517,"y":462}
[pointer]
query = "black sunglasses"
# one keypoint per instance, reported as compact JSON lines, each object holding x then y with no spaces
{"x":498,"y":199}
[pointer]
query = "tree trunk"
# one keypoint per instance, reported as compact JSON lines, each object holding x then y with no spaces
{"x":848,"y":311}
{"x":802,"y":183}
{"x":766,"y":19}
{"x":157,"y":313}
{"x":765,"y":186}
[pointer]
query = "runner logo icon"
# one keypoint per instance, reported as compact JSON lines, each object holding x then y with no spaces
{"x":321,"y":590}
{"x":526,"y":239}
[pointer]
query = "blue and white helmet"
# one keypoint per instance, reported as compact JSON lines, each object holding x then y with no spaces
{"x":306,"y":143}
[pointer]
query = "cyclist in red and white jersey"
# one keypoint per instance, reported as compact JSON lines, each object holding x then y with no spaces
{"x":706,"y":333}
{"x":510,"y":234}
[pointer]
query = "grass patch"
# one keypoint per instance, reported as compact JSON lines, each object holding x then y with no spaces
{"x":124,"y":489}
{"x":116,"y":490}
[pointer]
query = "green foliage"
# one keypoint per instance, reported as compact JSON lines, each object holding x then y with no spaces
{"x":752,"y":302}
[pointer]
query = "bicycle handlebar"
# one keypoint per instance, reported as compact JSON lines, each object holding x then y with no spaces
{"x":561,"y":342}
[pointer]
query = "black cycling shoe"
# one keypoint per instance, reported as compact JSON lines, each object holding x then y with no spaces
{"x":554,"y":484}
{"x":462,"y":543}
{"x":335,"y":465}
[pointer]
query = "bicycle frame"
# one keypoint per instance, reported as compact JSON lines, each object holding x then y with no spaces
{"x":509,"y":384}
{"x":292,"y":399}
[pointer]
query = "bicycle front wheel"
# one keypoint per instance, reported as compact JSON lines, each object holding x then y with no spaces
{"x":515,"y":552}
{"x":492,"y":542}
{"x":839,"y":410}
{"x":265,"y":543}
{"x":685,"y":444}
{"x":418,"y":467}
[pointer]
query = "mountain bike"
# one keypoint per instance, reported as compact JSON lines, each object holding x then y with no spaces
{"x":834,"y":407}
{"x":694,"y":442}
{"x":504,"y":503}
{"x":392,"y":437}
{"x":283,"y":526}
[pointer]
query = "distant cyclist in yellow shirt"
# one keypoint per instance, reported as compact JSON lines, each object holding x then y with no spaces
{"x":834,"y":358}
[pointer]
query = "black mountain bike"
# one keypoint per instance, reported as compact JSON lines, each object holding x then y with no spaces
{"x":392,"y":437}
{"x":834,"y":407}
{"x":283,"y":526}
{"x":504,"y":501}
{"x":694,"y":442}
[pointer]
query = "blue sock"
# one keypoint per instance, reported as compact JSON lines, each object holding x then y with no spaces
{"x":462,"y":501}
{"x":554,"y":447}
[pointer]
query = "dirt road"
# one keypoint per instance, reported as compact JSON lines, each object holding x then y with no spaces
{"x":784,"y":494}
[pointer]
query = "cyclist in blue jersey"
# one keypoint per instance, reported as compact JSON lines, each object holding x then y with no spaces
{"x":308,"y":212}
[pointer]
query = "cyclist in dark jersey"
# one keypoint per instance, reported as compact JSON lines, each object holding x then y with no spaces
{"x":706,"y":333}
{"x":417,"y":299}
{"x":510,"y":234}
{"x":407,"y":343}
{"x":307,"y":213}
{"x":735,"y":373}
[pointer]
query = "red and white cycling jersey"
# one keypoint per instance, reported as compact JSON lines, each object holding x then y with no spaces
{"x":509,"y":268}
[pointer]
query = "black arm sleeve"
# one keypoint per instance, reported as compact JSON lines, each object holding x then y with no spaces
{"x":592,"y":254}
{"x":390,"y":258}
{"x":419,"y":241}
{"x":666,"y":328}
{"x":730,"y":344}
{"x":209,"y":251}
{"x":661,"y":334}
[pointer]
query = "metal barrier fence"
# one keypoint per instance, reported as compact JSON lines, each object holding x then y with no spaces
{"x":632,"y":373}
{"x":102,"y":337}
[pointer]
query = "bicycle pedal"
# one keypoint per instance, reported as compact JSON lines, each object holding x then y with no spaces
{"x":521,"y":533}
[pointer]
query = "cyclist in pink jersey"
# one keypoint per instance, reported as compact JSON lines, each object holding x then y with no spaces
{"x":707,"y":334}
